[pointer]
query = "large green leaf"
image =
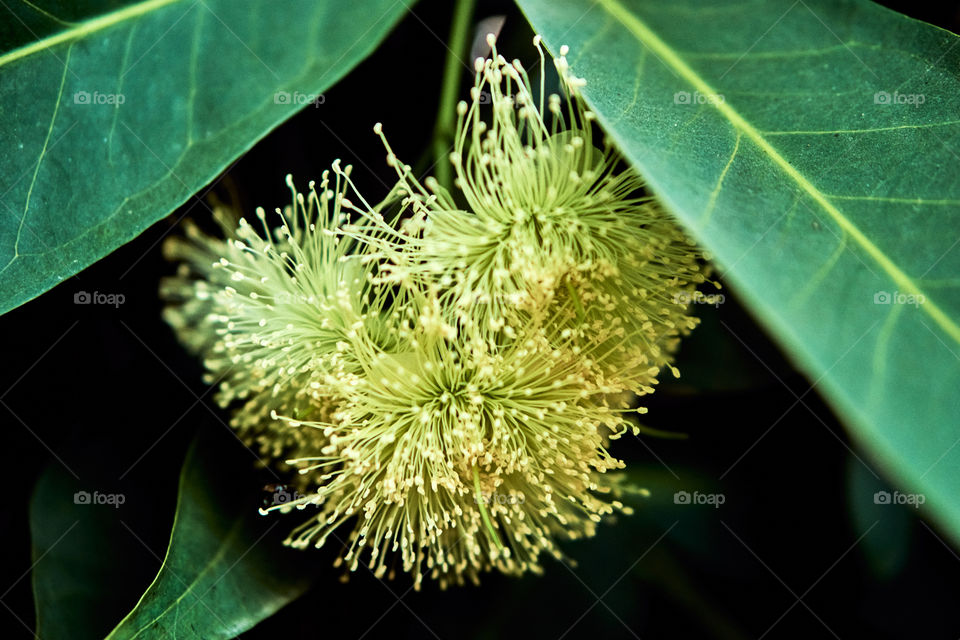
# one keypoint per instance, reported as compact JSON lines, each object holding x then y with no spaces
{"x":811,"y":146}
{"x":891,"y":525}
{"x":77,"y":581}
{"x":225,"y":569}
{"x":112,"y":114}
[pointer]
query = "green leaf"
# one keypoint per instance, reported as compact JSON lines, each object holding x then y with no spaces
{"x":115,"y":114}
{"x":225,"y":569}
{"x":77,"y":582}
{"x":828,"y":205}
{"x":890,"y":525}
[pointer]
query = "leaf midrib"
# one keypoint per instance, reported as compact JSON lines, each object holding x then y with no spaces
{"x":85,"y":28}
{"x":207,"y":567}
{"x":178,"y":515}
{"x":648,"y":38}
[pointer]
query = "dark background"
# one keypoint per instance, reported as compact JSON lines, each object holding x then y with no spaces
{"x":108,"y":393}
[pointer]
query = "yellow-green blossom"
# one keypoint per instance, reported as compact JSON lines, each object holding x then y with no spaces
{"x":460,"y":453}
{"x":275,"y":313}
{"x":549,"y":220}
{"x":447,"y":380}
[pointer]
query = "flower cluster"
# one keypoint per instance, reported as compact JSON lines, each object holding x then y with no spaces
{"x":446,"y":369}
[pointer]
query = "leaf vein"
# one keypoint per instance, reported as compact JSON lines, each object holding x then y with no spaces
{"x":712,"y":202}
{"x":928,"y":125}
{"x":43,"y":153}
{"x":648,"y":38}
{"x":83,"y":29}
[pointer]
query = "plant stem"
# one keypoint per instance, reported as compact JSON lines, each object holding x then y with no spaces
{"x":446,"y":111}
{"x":483,"y":509}
{"x":576,"y":300}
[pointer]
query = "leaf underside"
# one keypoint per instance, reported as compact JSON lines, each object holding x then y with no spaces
{"x":225,"y":569}
{"x":113,"y":114}
{"x":811,"y":147}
